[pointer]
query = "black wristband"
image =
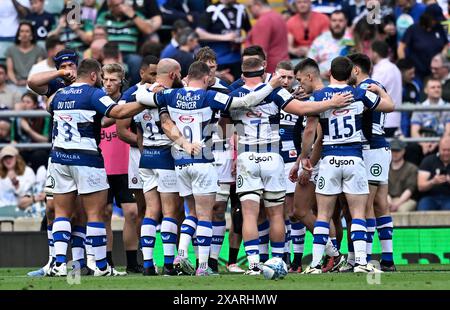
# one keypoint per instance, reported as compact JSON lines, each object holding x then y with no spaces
{"x":134,"y":16}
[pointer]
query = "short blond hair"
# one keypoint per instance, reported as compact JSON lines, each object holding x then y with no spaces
{"x":114,"y":68}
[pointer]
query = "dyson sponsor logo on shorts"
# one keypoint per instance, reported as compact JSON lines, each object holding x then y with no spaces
{"x":259,"y":159}
{"x":341,"y":162}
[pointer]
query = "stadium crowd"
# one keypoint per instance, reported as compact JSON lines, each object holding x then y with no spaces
{"x":406,"y":41}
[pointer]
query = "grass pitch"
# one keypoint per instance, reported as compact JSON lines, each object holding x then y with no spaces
{"x":409,"y":277}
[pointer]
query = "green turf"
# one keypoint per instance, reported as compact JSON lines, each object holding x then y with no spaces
{"x":409,"y":277}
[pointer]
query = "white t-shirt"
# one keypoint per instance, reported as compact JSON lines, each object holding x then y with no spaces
{"x":9,"y":195}
{"x":9,"y":19}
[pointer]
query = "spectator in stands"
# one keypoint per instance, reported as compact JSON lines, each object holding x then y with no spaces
{"x":100,"y":38}
{"x":220,"y":28}
{"x":10,"y":14}
{"x":440,"y":69}
{"x":269,"y":32}
{"x":173,"y":45}
{"x":148,"y":8}
{"x":364,"y":34}
{"x":32,"y":130}
{"x":173,"y":10}
{"x":76,"y":35}
{"x":410,"y":7}
{"x":53,"y":45}
{"x":112,"y":54}
{"x":410,"y":92}
{"x":124,"y":25}
{"x":16,"y":183}
{"x":424,"y":40}
{"x":434,"y":179}
{"x":416,"y":152}
{"x":435,"y":120}
{"x":387,"y":73}
{"x":188,"y":40}
{"x":9,"y":96}
{"x":89,"y":10}
{"x":23,"y":55}
{"x":352,"y":8}
{"x":330,"y":44}
{"x":42,"y":21}
{"x":402,"y":180}
{"x":304,"y":27}
{"x":5,"y":130}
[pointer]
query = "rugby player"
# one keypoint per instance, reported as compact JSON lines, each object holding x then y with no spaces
{"x":260,"y":167}
{"x":157,"y":171}
{"x":305,"y":207}
{"x":77,"y":164}
{"x":192,"y":109}
{"x":342,"y":168}
{"x":127,"y":132}
{"x":46,"y":84}
{"x":377,"y":158}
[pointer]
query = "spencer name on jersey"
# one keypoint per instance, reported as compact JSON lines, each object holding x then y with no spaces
{"x":260,"y":124}
{"x":342,"y":127}
{"x":375,"y":121}
{"x":77,"y":111}
{"x":193,"y":111}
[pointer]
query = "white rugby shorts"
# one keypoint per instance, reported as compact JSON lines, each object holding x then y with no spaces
{"x":342,"y":174}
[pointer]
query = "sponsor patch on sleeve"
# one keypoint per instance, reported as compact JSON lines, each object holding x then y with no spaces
{"x":222,"y":98}
{"x":284,"y":94}
{"x":107,"y":101}
{"x":371,"y":96}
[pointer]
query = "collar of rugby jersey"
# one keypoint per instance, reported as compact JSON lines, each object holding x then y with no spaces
{"x":338,"y":85}
{"x":252,"y":88}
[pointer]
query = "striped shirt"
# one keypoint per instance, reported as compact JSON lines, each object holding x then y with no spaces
{"x":121,"y":30}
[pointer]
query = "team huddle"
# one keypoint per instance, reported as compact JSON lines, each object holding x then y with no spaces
{"x":290,"y":154}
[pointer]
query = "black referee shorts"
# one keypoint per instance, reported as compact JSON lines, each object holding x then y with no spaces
{"x":118,"y":190}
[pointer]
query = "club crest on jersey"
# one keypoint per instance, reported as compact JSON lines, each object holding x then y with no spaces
{"x":147,"y":117}
{"x":340,"y":112}
{"x":66,"y":118}
{"x":293,"y":154}
{"x":186,"y":119}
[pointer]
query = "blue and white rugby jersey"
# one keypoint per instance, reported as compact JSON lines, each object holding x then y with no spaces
{"x":288,"y":134}
{"x":193,"y":111}
{"x":77,"y":113}
{"x":129,"y":96}
{"x":157,"y":146}
{"x":342,"y":127}
{"x":219,"y":143}
{"x":375,"y":122}
{"x":260,"y":124}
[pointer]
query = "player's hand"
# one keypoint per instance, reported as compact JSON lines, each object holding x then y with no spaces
{"x":68,"y":75}
{"x":304,"y":177}
{"x":192,"y":148}
{"x":276,"y":81}
{"x":299,"y":93}
{"x":293,"y":173}
{"x":375,"y":89}
{"x":341,"y":100}
{"x":158,"y":88}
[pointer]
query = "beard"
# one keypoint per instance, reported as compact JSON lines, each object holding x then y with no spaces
{"x":177,"y":83}
{"x":352,"y":81}
{"x":98,"y":83}
{"x":337,"y":34}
